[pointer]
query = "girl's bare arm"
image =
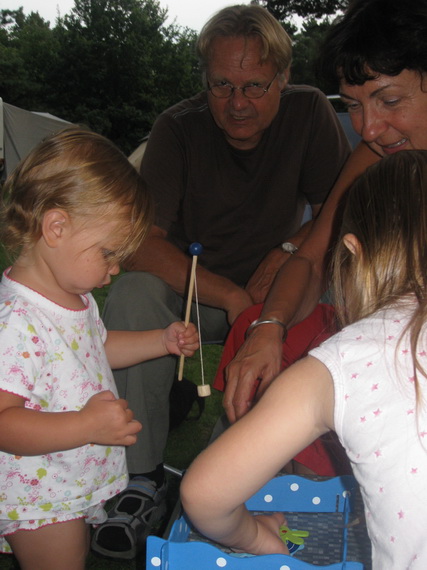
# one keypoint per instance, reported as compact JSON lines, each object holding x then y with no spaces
{"x":295,"y":410}
{"x":104,"y":420}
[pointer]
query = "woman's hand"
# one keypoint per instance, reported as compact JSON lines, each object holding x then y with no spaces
{"x":252,"y":370}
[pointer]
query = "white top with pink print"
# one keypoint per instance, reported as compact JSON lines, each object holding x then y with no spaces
{"x":383,"y":432}
{"x":54,"y":358}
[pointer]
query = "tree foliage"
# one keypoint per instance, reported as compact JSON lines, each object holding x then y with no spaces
{"x":317,"y":17}
{"x":284,"y":9}
{"x":110,"y":64}
{"x":306,"y":50}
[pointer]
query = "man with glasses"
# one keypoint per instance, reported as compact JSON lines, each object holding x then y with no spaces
{"x":233,"y":169}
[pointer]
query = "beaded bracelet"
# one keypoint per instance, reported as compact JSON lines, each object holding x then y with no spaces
{"x":271,"y":321}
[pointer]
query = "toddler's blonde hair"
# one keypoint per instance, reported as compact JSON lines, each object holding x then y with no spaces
{"x":82,"y":173}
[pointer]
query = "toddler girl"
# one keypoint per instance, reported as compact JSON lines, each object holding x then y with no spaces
{"x":71,"y":211}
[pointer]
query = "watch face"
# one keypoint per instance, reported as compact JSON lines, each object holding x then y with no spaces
{"x":289,"y":247}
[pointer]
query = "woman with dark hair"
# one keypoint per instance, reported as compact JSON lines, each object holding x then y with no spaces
{"x":377,"y":55}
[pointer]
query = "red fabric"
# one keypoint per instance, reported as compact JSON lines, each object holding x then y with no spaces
{"x":325,"y":456}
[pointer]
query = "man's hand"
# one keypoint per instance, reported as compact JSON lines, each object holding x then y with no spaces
{"x":251,"y":371}
{"x":259,"y":284}
{"x":237,"y":301}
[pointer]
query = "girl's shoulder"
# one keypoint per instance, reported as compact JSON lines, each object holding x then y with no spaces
{"x":12,"y":301}
{"x":372,"y":335}
{"x":390,"y":320}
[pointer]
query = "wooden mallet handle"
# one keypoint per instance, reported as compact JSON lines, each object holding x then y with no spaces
{"x":195,"y":250}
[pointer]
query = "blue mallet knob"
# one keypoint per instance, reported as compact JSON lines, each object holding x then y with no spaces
{"x":195,"y":248}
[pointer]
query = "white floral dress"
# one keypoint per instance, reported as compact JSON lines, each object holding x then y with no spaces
{"x":54,"y":358}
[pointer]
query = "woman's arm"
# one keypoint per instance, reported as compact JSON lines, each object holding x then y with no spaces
{"x":300,"y":283}
{"x":293,"y":296}
{"x":295,"y":410}
{"x":262,"y":279}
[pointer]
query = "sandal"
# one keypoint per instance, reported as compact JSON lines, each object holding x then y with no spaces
{"x":129,"y":522}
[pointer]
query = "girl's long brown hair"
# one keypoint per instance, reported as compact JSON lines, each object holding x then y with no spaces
{"x":386,"y":209}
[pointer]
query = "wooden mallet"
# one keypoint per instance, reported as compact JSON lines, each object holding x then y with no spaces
{"x":195,"y":250}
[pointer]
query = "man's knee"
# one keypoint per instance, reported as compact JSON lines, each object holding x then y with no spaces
{"x":133,"y":285}
{"x":141,"y":300}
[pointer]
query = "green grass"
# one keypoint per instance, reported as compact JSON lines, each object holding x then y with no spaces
{"x":184,"y":443}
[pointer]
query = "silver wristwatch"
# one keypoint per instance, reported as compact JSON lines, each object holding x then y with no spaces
{"x":289,"y":247}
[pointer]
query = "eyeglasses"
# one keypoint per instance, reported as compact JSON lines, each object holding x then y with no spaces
{"x":224,"y":90}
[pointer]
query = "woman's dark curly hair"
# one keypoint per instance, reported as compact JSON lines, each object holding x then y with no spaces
{"x":375,"y":37}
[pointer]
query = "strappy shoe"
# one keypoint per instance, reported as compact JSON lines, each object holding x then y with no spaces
{"x":124,"y":533}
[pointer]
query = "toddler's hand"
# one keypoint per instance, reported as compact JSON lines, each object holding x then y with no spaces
{"x":110,"y":420}
{"x":181,"y":340}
